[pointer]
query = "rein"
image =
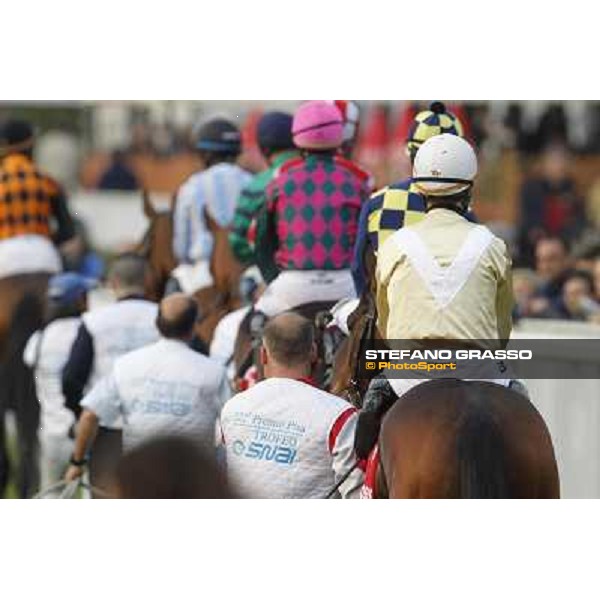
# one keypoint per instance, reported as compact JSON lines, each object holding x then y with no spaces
{"x":339,"y":484}
{"x":366,"y":323}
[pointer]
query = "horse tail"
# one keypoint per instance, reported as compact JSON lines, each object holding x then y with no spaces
{"x":481,"y":457}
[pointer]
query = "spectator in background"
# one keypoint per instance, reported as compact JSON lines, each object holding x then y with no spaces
{"x":577,"y":299}
{"x":119,"y":175}
{"x":587,"y":250}
{"x":551,"y":266}
{"x":550,"y":205}
{"x":169,"y":468}
{"x":525,"y":284}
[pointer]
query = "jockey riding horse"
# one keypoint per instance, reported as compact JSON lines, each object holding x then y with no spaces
{"x":305,"y":231}
{"x":388,"y":210}
{"x":214,"y":300}
{"x":34,"y":219}
{"x":446,"y":281}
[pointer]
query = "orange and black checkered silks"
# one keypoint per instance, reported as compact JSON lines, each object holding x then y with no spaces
{"x":25,"y":198}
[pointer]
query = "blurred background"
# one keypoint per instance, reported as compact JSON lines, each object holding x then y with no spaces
{"x":535,"y":155}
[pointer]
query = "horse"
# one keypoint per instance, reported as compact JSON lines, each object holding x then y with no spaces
{"x":245,"y":352}
{"x":449,"y":438}
{"x":22,"y":301}
{"x":362,"y":325}
{"x":214,"y":301}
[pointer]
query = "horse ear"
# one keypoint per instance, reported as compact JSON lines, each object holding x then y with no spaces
{"x":149,"y":209}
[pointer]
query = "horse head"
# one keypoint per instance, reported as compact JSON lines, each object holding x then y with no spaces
{"x":157,"y":245}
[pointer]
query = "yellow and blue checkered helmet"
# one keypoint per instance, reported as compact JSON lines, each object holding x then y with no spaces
{"x":427,"y":123}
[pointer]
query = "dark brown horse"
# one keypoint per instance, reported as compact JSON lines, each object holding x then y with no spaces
{"x":458,"y":439}
{"x":362,"y":324}
{"x":245,"y":352}
{"x":214,"y":301}
{"x":22,"y":300}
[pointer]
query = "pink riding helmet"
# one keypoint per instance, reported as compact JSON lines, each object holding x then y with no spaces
{"x":318,"y":125}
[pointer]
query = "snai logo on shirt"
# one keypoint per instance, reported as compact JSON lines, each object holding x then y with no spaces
{"x":262,"y":451}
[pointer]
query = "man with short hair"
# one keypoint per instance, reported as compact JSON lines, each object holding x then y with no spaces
{"x":576,"y":301}
{"x":105,"y":334}
{"x":552,"y":265}
{"x":285,"y":438}
{"x":163,"y":389}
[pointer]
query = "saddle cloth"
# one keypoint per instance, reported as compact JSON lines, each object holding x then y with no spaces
{"x":291,"y":289}
{"x":193,"y":277}
{"x":28,"y":254}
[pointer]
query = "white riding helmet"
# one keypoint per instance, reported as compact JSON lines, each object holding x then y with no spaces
{"x":444,"y":165}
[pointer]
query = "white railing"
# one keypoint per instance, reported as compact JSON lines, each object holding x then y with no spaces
{"x":571,"y":407}
{"x":115,"y":220}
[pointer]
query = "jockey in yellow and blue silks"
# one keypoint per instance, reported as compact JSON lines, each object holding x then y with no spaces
{"x":398,"y":204}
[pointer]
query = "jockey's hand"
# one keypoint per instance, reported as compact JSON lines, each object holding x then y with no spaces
{"x":73,"y":473}
{"x":367,"y":434}
{"x":379,"y":398}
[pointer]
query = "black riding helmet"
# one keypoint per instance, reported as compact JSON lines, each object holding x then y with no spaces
{"x":220,"y":137}
{"x":274,"y":132}
{"x":15,"y":135}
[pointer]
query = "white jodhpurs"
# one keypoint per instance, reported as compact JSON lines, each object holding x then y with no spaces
{"x":292,"y":289}
{"x":28,"y":254}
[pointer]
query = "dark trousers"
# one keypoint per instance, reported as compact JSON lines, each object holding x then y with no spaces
{"x":105,"y":455}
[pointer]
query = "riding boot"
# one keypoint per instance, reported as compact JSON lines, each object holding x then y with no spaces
{"x":379,"y":398}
